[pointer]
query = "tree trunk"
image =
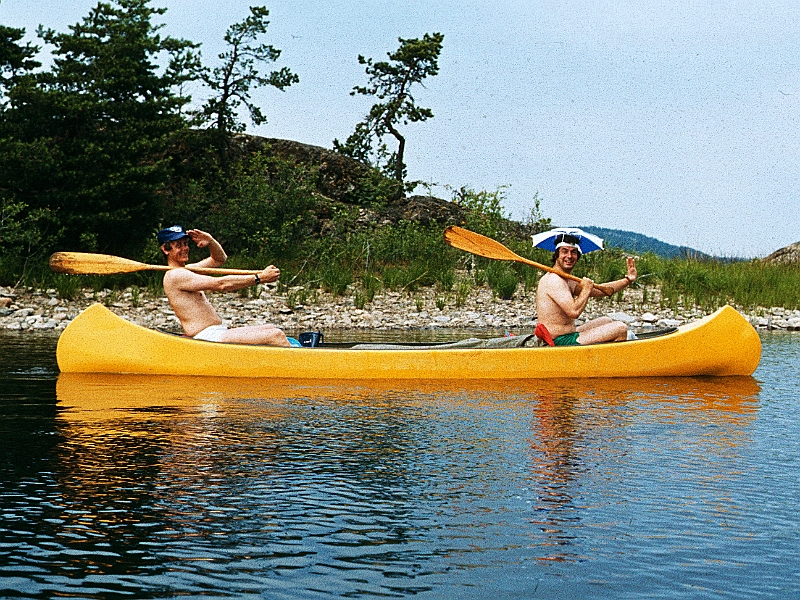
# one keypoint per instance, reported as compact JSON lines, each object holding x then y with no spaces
{"x":401,"y":150}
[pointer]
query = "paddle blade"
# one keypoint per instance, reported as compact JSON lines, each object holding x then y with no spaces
{"x":467,"y":240}
{"x":478,"y":244}
{"x":84,"y":263}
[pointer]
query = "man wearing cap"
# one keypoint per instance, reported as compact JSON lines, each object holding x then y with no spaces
{"x":186,"y":290}
{"x":560,"y":301}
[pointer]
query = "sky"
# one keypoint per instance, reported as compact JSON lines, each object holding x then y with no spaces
{"x":676,"y":119}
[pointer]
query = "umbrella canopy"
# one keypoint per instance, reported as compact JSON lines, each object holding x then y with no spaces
{"x":586,"y":242}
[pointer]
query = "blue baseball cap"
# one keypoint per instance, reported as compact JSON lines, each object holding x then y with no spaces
{"x":170,"y":234}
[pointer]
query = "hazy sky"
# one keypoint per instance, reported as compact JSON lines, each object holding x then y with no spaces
{"x":675,"y":119}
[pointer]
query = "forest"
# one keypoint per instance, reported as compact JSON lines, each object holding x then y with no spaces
{"x":103,"y":147}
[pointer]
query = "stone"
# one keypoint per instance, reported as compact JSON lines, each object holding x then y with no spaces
{"x":669,"y":323}
{"x":621,"y":316}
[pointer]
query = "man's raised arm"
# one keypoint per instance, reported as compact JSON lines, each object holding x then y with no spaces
{"x":217,"y":255}
{"x":620,"y":284}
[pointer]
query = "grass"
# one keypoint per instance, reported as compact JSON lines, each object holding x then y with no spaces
{"x":409,"y":257}
{"x":710,"y":284}
{"x":503,"y":279}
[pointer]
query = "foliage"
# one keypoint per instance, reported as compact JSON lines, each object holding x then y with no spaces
{"x":485,"y":212}
{"x":536,"y":221}
{"x":26,"y":232}
{"x":709,"y":284}
{"x":68,"y":286}
{"x":18,"y":228}
{"x":335,"y":275}
{"x":502,"y":278}
{"x":373,"y":189}
{"x":464,"y":289}
{"x":391,"y":82}
{"x":86,"y":140}
{"x":233,"y":80}
{"x":608,"y":265}
{"x":16,"y":60}
{"x":268,"y":210}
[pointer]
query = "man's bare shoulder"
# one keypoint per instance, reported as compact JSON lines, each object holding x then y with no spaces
{"x":176,"y":274}
{"x":177,"y":278}
{"x":550,"y":280}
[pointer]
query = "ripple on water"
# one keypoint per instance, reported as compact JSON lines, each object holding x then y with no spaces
{"x":161,"y":487}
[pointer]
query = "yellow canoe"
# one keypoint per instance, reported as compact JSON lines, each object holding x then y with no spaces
{"x":98,"y":341}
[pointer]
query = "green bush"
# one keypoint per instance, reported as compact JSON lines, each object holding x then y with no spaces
{"x":502,"y":279}
{"x":370,"y":285}
{"x":335,"y":277}
{"x":67,"y":286}
{"x":268,"y":207}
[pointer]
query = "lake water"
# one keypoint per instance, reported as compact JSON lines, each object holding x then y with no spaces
{"x":127,"y":486}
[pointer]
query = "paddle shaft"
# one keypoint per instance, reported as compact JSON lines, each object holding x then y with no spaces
{"x":85,"y":263}
{"x":480,"y":245}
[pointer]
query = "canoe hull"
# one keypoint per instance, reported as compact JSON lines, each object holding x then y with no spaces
{"x":98,"y":341}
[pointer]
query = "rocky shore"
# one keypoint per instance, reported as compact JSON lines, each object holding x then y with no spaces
{"x":297,"y":310}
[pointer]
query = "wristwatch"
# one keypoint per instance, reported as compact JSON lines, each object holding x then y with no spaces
{"x":258,"y":279}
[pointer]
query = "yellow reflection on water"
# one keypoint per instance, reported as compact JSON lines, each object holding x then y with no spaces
{"x":566,"y":429}
{"x":87,"y":396}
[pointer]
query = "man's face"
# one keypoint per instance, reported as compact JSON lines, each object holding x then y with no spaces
{"x":178,"y":251}
{"x":567,"y":257}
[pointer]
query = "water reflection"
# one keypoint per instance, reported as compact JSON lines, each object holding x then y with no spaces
{"x":148,"y":487}
{"x":193,"y":448}
{"x":579,"y":427}
{"x":87,"y":396}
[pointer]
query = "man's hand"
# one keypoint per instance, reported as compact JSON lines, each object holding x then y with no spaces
{"x":631,"y":269}
{"x":217,"y":256}
{"x":270,"y":274}
{"x":201,"y":238}
{"x":585,"y":286}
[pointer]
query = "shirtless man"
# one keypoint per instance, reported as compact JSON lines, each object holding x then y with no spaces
{"x":560,"y":301}
{"x":186,"y":290}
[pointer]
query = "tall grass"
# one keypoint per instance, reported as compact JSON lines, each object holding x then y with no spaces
{"x":502,"y":279}
{"x":710,"y":284}
{"x":410,"y":256}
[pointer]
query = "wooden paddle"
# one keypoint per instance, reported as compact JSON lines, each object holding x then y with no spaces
{"x":478,"y":244}
{"x":83,"y":263}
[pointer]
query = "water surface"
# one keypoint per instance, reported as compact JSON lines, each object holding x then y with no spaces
{"x":120,"y":486}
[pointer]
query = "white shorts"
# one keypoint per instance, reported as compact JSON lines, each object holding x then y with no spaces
{"x":213,"y":333}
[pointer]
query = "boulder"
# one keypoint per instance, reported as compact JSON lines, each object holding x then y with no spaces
{"x":788,"y":255}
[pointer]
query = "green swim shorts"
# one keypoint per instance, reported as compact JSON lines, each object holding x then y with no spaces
{"x":568,"y":339}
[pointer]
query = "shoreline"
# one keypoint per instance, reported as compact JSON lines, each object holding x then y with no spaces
{"x":426,"y":309}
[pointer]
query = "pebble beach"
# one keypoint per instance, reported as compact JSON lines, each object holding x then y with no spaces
{"x":297,"y":310}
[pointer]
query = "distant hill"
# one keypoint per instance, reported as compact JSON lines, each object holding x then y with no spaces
{"x":638,"y":243}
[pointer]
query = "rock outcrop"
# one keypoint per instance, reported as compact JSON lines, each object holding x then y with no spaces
{"x":788,"y":255}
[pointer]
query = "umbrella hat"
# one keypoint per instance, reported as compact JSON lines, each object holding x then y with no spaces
{"x":586,"y":242}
